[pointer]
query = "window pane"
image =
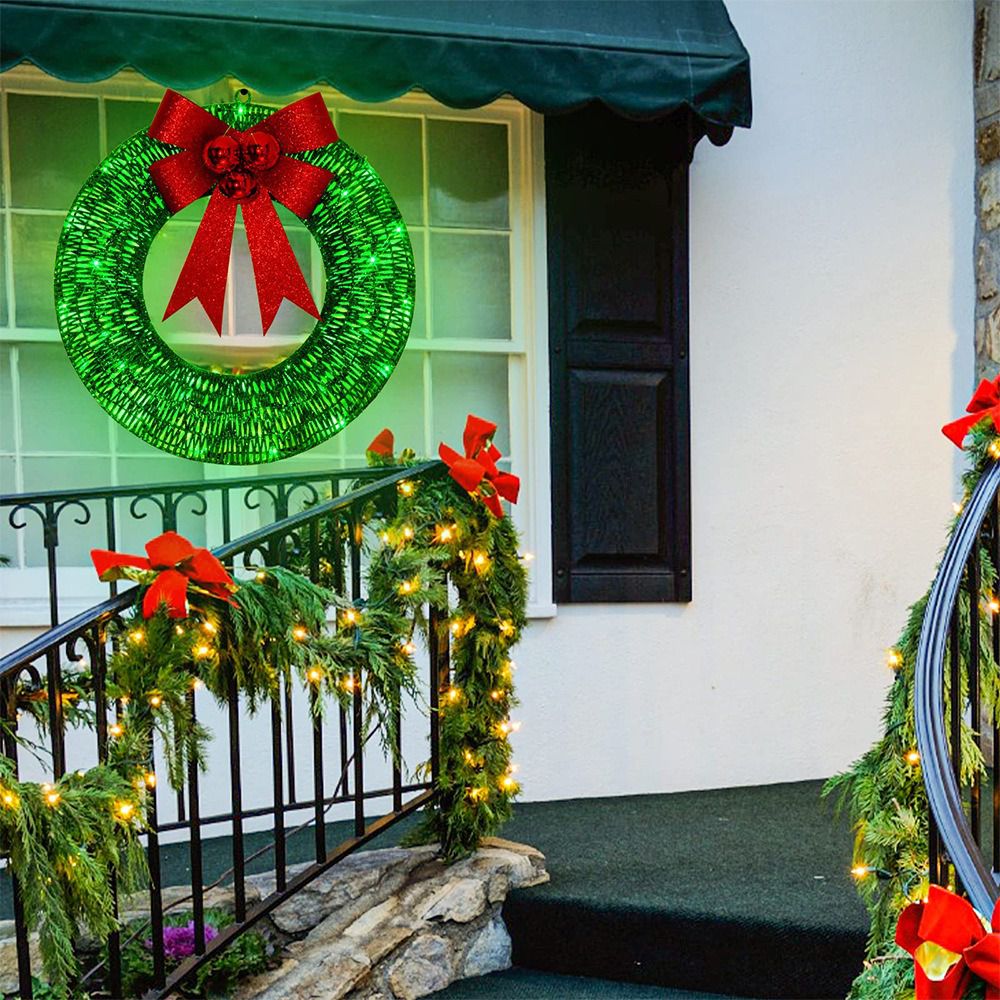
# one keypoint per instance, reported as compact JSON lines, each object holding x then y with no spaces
{"x":400,"y":407}
{"x":125,"y":118}
{"x":469,"y":383}
{"x":8,"y":536}
{"x":3,"y":274}
{"x":6,"y":409}
{"x":468,"y":174}
{"x":54,"y":148}
{"x":75,"y":540}
{"x":34,"y":253}
{"x":392,"y":146}
{"x":470,"y":286}
{"x":418,"y":328}
{"x":57,"y":412}
{"x":189,"y":330}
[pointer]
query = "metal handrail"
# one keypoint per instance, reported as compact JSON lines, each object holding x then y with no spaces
{"x":183,"y":486}
{"x":55,"y":637}
{"x":943,"y":793}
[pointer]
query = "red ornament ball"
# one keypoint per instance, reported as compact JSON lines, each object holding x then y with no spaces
{"x":260,"y":150}
{"x":221,"y":154}
{"x":238,"y":184}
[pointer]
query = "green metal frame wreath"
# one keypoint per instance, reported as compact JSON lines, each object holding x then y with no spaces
{"x":208,"y":416}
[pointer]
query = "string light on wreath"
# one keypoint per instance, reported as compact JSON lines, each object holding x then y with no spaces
{"x":245,"y":157}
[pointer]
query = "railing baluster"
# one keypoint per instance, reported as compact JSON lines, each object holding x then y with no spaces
{"x":53,"y":677}
{"x":337,"y":558}
{"x":51,"y":541}
{"x":397,"y":754}
{"x":279,"y":794}
{"x":933,"y":851}
{"x":226,"y":516}
{"x":289,"y":739}
{"x":318,"y":785}
{"x":236,"y":801}
{"x":357,"y":726}
{"x":194,"y":825}
{"x":973,"y":588}
{"x":111,"y":535}
{"x":440,"y":673}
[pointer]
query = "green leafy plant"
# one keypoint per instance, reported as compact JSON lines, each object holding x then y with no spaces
{"x":245,"y":956}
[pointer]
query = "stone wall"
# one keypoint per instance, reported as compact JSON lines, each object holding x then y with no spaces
{"x":394,"y":924}
{"x":986,"y":69}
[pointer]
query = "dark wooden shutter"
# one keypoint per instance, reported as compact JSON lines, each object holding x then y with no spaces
{"x":616,"y":194}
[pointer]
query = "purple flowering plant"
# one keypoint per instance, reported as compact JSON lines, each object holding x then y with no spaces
{"x":178,"y":942}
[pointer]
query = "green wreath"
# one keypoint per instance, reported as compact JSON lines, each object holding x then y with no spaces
{"x":261,"y":416}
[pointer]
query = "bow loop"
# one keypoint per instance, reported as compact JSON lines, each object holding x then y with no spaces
{"x":249,"y":168}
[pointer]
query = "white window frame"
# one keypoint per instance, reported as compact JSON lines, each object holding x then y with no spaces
{"x":526,"y":351}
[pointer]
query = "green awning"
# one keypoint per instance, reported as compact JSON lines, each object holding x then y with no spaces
{"x":642,"y":58}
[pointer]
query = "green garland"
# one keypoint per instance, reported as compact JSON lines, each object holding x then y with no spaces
{"x":441,"y":534}
{"x":68,"y":841}
{"x":883,"y":792}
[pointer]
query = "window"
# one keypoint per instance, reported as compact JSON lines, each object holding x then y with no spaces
{"x":469,"y":186}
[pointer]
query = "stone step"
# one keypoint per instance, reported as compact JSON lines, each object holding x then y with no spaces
{"x":529,"y":984}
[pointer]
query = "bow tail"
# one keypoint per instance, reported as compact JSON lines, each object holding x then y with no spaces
{"x":206,"y":268}
{"x":169,"y":588}
{"x":276,"y":271}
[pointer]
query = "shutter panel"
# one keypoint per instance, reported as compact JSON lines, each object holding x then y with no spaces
{"x":616,"y":194}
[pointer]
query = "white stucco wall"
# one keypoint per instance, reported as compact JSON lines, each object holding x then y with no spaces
{"x":831,"y":336}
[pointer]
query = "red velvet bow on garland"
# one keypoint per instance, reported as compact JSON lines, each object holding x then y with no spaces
{"x":173,"y":565}
{"x":985,"y":403}
{"x":477,"y":470}
{"x":246,"y":169}
{"x":382,"y":444}
{"x":950,"y":944}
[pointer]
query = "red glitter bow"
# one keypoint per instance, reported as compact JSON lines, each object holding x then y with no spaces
{"x":248,"y":169}
{"x":177,"y":565}
{"x":950,"y":944}
{"x":477,"y":471}
{"x":985,"y":403}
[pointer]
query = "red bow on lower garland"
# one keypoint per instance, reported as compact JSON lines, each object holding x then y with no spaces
{"x":985,"y":403}
{"x":246,"y":169}
{"x":176,"y":563}
{"x":950,"y":944}
{"x":477,"y":470}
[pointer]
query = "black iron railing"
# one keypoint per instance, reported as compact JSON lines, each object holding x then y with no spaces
{"x":948,"y":692}
{"x":326,"y":537}
{"x":208,"y":507}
